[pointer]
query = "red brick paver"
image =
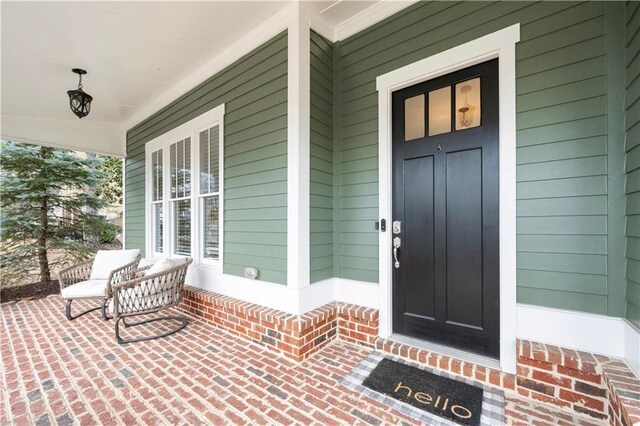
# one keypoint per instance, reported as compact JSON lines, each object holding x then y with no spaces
{"x":56,"y":371}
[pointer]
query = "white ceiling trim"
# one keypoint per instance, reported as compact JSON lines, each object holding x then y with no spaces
{"x":368,"y":17}
{"x":97,"y":137}
{"x":268,"y":29}
{"x":319,"y":23}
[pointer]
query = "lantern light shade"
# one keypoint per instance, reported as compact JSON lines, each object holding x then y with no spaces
{"x":79,"y":100}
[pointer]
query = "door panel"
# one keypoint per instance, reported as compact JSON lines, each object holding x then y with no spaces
{"x":419,"y":273}
{"x":445,"y":193}
{"x":464,"y":237}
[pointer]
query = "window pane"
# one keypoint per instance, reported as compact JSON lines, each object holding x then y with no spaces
{"x":209,"y":143}
{"x":214,"y":156}
{"x":414,"y":118}
{"x":468,"y":104}
{"x":174,"y":170}
{"x":156,"y":175}
{"x":440,"y":111}
{"x":205,"y":181}
{"x":210,"y":227}
{"x":182,"y":227}
{"x":180,"y":169}
{"x":187,"y":167}
{"x":158,"y":227}
{"x":180,"y":158}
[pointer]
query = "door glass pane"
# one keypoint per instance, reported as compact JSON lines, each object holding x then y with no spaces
{"x":210,"y":227}
{"x":158,"y":225}
{"x":468,"y":104}
{"x":414,"y":118}
{"x":440,"y":111}
{"x":182,"y":227}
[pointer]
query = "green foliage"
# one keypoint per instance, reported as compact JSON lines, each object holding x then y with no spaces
{"x":110,"y":188}
{"x":108,"y":233}
{"x":47,"y":204}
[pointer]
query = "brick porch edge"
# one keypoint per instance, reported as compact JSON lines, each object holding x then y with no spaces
{"x":294,"y":336}
{"x":590,"y":384}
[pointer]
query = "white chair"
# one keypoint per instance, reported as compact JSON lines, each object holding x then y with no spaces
{"x":93,"y":279}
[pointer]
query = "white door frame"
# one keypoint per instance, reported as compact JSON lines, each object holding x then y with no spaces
{"x":501,"y":45}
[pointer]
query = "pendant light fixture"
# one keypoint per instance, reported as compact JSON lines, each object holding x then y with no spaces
{"x":79,"y":101}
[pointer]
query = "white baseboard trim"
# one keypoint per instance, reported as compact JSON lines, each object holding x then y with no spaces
{"x":281,"y":297}
{"x":578,"y":330}
{"x":632,"y":347}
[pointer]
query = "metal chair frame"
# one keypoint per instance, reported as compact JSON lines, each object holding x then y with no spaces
{"x":82,"y":272}
{"x":148,"y":294}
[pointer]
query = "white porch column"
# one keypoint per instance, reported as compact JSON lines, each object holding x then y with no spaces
{"x":298,"y":151}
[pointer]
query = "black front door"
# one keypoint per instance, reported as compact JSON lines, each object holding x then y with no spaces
{"x":445,"y":210}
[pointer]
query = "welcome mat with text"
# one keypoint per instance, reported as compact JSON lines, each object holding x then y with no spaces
{"x":432,"y":397}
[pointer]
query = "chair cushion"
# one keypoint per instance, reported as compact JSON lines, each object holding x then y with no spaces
{"x":109,"y":260}
{"x":147,"y":261}
{"x":164,"y":265}
{"x":90,"y":289}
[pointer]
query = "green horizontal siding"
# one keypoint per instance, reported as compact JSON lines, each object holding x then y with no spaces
{"x":254,"y":91}
{"x":632,"y":166}
{"x":322,"y":151}
{"x":561,"y":137}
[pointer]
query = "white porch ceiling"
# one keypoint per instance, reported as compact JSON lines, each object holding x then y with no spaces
{"x":133,"y":51}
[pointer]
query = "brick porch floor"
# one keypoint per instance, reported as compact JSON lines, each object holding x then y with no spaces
{"x":61,"y":372}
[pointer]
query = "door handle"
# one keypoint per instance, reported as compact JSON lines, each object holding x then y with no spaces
{"x":396,"y":246}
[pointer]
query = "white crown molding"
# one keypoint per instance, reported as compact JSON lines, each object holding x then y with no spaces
{"x":265,"y":31}
{"x":319,"y":23}
{"x":370,"y":16}
{"x":268,"y":29}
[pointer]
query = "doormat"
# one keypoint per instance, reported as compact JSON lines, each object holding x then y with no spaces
{"x":437,"y":395}
{"x":429,"y":396}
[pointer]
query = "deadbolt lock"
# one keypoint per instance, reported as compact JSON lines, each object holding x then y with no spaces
{"x":396,"y":227}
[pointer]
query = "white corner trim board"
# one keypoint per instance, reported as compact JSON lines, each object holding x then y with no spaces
{"x":298,"y":149}
{"x":501,"y":45}
{"x":598,"y":334}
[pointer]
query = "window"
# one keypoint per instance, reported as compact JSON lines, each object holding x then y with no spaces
{"x":184,"y":190}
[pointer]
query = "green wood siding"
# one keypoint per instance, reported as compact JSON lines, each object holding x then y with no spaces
{"x":322,"y":151}
{"x":632,"y":167}
{"x":254,"y":90}
{"x":562,"y":199}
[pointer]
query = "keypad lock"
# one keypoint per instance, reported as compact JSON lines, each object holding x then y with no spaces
{"x":396,"y":246}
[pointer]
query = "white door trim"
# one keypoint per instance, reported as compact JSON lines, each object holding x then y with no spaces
{"x":501,"y":45}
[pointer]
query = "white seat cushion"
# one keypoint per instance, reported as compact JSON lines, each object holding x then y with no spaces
{"x":85,"y":290}
{"x":109,"y":260}
{"x":164,"y":265}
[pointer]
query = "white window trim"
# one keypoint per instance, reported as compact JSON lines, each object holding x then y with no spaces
{"x":501,"y":45}
{"x":190,"y":129}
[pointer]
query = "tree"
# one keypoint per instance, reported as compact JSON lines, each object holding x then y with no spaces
{"x":45,"y":207}
{"x":111,"y":186}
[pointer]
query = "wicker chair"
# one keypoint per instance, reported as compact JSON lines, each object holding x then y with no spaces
{"x":147,"y":294}
{"x":76,"y":283}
